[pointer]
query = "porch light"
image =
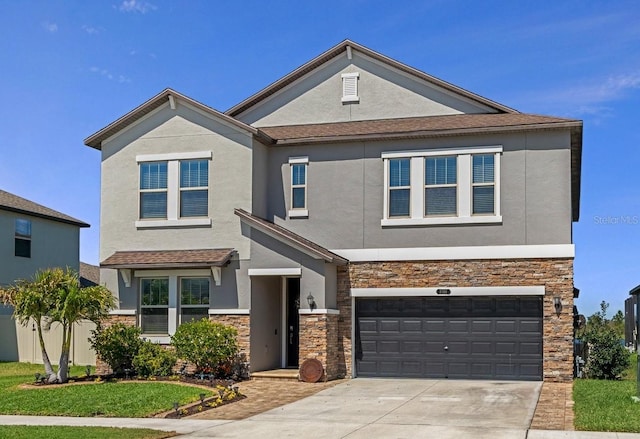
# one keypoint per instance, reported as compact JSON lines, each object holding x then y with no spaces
{"x":311,"y":301}
{"x":557,"y":304}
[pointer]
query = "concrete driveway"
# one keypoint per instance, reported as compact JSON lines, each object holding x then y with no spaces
{"x":397,"y":408}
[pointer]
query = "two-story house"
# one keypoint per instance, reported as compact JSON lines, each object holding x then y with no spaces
{"x":35,"y":237}
{"x":357,"y":211}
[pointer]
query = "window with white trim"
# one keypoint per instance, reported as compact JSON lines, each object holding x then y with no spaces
{"x":194,"y":188}
{"x":441,"y":190}
{"x":298,"y":195}
{"x":153,"y":190}
{"x":399,"y":188}
{"x":22,"y":240}
{"x":444,"y":186}
{"x":154,"y":306}
{"x":174,"y":189}
{"x":194,"y":299}
{"x":350,"y":87}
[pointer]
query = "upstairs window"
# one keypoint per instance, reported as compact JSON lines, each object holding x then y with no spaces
{"x":174,"y":189}
{"x":153,"y":190}
{"x":350,"y":87}
{"x":442,"y":186}
{"x":23,"y":238}
{"x":399,"y":187}
{"x":298,"y":207}
{"x":441,"y":191}
{"x":194,"y":188}
{"x":483,"y":184}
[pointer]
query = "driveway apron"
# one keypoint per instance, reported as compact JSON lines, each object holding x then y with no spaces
{"x":375,"y":407}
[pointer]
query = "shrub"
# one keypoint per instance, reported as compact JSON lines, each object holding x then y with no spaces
{"x":206,"y":344}
{"x":607,"y":358}
{"x":154,"y":360}
{"x":116,"y":345}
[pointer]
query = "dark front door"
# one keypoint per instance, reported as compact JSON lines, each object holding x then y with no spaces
{"x":293,"y":321}
{"x":480,"y":337}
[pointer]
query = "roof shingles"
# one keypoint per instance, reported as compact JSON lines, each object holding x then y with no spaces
{"x":18,"y":204}
{"x":169,"y":258}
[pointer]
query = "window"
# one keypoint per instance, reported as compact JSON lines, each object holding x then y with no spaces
{"x":194,"y":188}
{"x":483,"y":184}
{"x":298,"y":167}
{"x":442,"y":186}
{"x":350,"y":87}
{"x":23,"y":238}
{"x":154,"y":306}
{"x":194,"y":299}
{"x":399,"y":187}
{"x":440,"y":193}
{"x":174,"y":189}
{"x":153,"y":190}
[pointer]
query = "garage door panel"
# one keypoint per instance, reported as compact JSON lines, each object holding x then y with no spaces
{"x":497,"y":338}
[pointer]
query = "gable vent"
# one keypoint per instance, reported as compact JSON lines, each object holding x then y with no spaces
{"x":350,"y":87}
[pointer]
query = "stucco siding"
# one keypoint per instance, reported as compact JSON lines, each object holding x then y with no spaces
{"x":266,"y":323}
{"x":346,"y":189}
{"x":384,"y":92}
{"x":53,"y":244}
{"x":167,"y":131}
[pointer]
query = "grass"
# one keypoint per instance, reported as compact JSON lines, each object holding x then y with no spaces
{"x":602,"y":405}
{"x":30,"y":432}
{"x":129,"y":399}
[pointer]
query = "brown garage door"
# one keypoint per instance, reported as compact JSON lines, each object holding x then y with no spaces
{"x":452,"y":337}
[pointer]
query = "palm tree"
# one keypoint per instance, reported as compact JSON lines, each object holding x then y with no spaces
{"x":55,"y":295}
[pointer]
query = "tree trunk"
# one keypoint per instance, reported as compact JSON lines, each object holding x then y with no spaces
{"x":63,"y":367}
{"x":48,"y":369}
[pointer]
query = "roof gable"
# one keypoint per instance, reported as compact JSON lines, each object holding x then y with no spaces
{"x":352,"y":52}
{"x":167,"y":98}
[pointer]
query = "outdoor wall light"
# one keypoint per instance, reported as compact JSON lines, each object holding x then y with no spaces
{"x":557,"y":304}
{"x":311,"y":301}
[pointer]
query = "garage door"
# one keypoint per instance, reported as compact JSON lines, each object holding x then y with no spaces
{"x":452,"y":337}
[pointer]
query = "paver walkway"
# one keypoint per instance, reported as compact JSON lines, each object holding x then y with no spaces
{"x":555,"y":407}
{"x":263,"y":395}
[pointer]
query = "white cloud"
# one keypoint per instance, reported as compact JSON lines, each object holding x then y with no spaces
{"x":591,"y":97}
{"x":50,"y":27}
{"x":136,"y":6}
{"x":121,"y":79}
{"x":90,"y":30}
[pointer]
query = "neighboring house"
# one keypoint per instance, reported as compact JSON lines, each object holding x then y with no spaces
{"x":630,"y":319}
{"x":357,"y":211}
{"x":34,"y":237}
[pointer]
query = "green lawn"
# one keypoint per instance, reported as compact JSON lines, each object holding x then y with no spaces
{"x":602,"y":405}
{"x":130,"y":399}
{"x":30,"y":432}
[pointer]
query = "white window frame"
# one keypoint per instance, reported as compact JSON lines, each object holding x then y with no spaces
{"x":167,"y":306}
{"x":173,"y":218}
{"x":207,"y":306}
{"x":174,"y":277}
{"x":350,"y":87}
{"x":464,"y":183}
{"x":299,"y":212}
{"x":436,"y":186}
{"x":389,"y":189}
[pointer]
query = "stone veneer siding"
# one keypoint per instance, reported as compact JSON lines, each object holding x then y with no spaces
{"x":242,"y":324}
{"x":103,"y":368}
{"x":556,"y":275}
{"x":319,"y":340}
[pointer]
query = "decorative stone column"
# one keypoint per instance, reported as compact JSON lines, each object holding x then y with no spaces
{"x":116,"y":316}
{"x":319,"y":340}
{"x":242,"y":322}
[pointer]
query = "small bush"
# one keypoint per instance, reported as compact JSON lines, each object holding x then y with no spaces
{"x":607,"y":358}
{"x":154,"y":360}
{"x":117,"y":345}
{"x":205,"y":344}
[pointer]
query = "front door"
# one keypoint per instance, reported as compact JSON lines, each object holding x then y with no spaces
{"x":292,"y":321}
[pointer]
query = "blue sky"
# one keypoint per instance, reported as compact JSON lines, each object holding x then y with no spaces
{"x":71,"y":67}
